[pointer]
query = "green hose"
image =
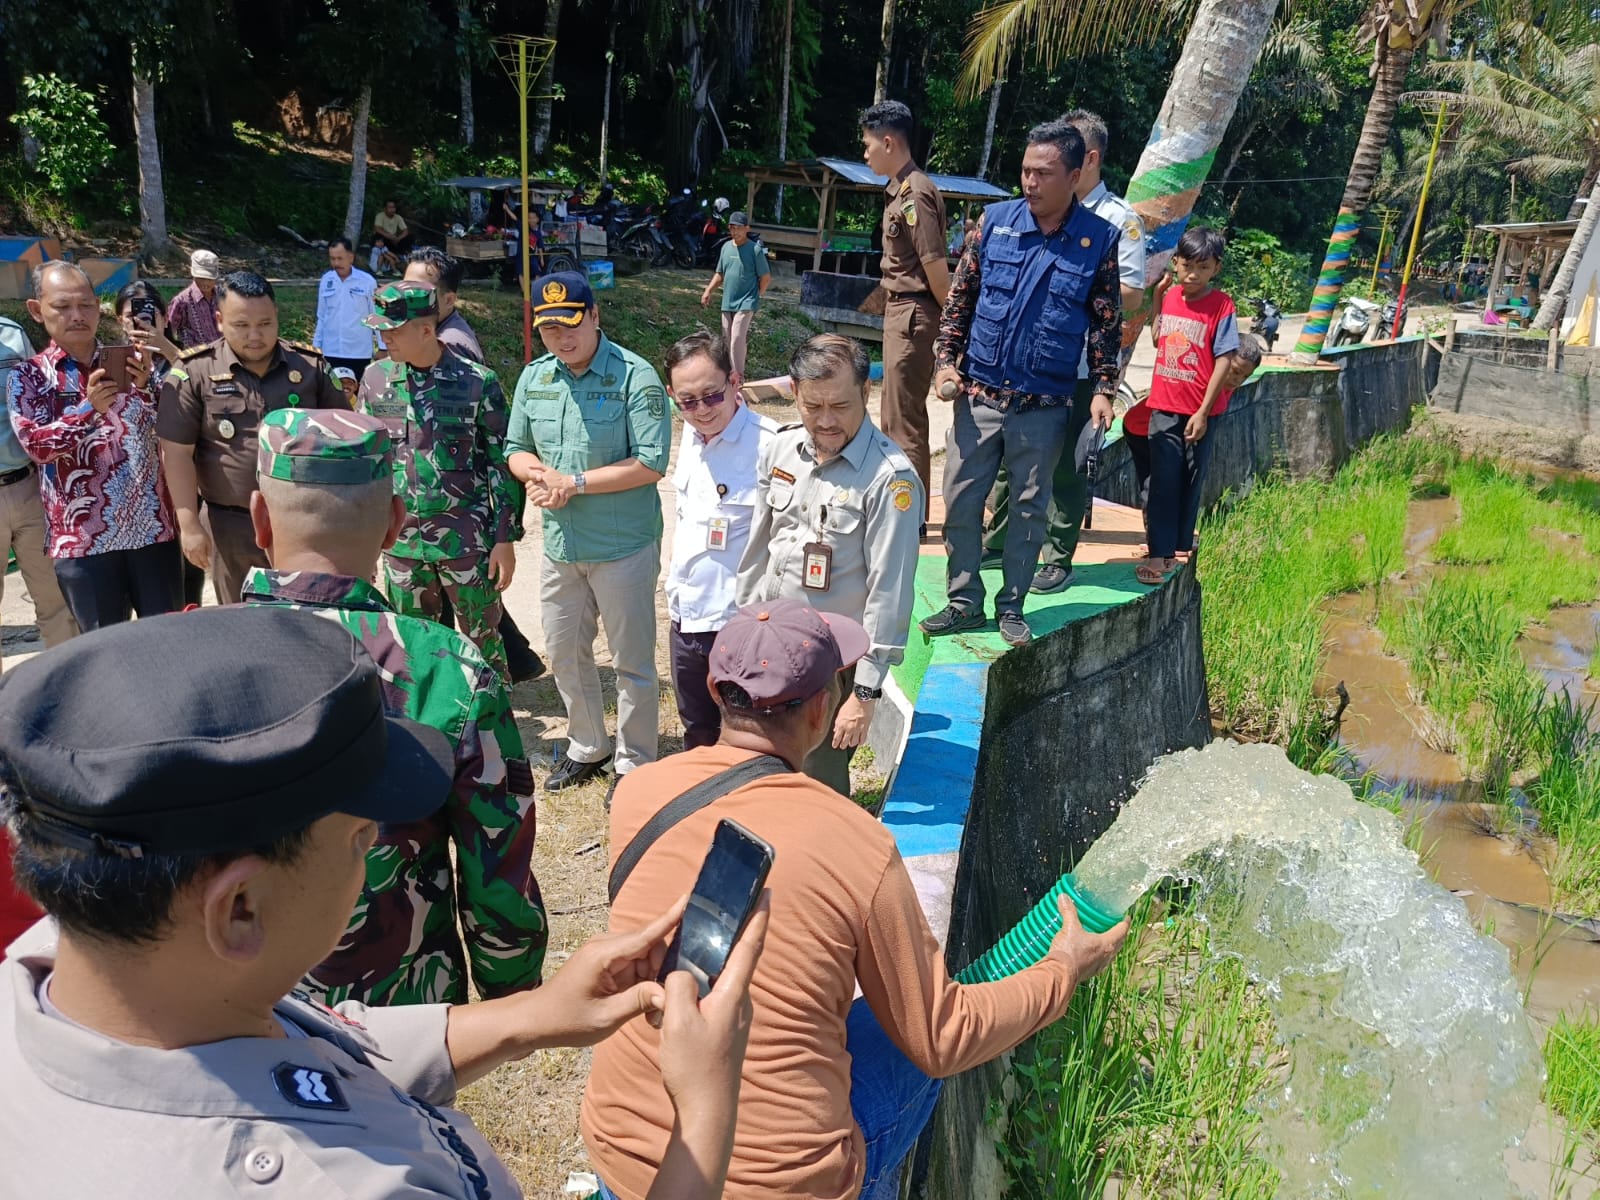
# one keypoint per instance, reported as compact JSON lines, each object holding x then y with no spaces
{"x":1030,"y":937}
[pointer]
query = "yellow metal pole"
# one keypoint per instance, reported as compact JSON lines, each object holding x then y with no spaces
{"x":1416,"y":228}
{"x":1377,"y":259}
{"x":527,"y":280}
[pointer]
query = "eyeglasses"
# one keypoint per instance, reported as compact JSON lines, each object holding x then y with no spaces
{"x":690,"y":403}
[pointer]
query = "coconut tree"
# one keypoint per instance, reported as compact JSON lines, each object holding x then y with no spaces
{"x":1290,"y":78}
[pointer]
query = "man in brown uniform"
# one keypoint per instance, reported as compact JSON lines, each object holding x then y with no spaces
{"x":211,"y":407}
{"x":916,"y":274}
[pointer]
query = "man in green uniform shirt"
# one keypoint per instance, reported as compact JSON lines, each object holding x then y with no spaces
{"x":324,"y":508}
{"x":590,"y":436}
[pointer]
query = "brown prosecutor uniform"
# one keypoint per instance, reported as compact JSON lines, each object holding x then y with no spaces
{"x":913,"y":236}
{"x":212,"y":402}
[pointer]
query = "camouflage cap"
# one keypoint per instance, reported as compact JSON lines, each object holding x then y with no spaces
{"x":322,"y":445}
{"x":397,"y":303}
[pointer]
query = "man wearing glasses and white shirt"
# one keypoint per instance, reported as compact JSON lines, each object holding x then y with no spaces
{"x":715,"y":480}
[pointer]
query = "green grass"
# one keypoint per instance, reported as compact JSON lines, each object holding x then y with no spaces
{"x":1572,"y":1060}
{"x":1150,"y":1080}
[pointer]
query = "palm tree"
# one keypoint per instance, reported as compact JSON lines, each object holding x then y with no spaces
{"x":1289,"y":78}
{"x":544,"y":88}
{"x":880,"y":86}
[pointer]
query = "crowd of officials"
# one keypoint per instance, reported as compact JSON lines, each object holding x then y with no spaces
{"x":316,"y":789}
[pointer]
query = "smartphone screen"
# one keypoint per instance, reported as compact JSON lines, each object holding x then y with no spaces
{"x":724,"y":897}
{"x":115,"y":360}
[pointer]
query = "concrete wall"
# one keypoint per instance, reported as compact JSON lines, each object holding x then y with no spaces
{"x":1483,"y":387}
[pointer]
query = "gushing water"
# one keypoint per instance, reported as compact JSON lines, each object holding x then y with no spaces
{"x":1413,"y":1065}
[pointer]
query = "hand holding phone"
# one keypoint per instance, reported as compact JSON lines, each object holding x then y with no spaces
{"x":724,"y":897}
{"x":114,"y":359}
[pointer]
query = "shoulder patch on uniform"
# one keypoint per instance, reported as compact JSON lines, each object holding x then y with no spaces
{"x":1132,"y":230}
{"x":656,"y":400}
{"x":908,"y":210}
{"x":194,"y":350}
{"x":308,"y":1087}
{"x":303,"y":348}
{"x":900,"y":494}
{"x":179,"y":374}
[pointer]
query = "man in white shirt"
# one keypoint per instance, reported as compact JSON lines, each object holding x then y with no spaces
{"x":716,"y":484}
{"x":344,"y":300}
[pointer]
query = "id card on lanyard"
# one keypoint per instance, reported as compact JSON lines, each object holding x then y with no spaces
{"x":818,"y":573}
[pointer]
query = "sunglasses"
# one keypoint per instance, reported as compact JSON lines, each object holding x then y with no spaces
{"x":690,"y":404}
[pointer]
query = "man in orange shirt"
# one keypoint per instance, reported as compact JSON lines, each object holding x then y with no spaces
{"x":835,"y":1090}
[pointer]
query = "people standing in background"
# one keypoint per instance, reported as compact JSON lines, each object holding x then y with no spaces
{"x":744,"y":276}
{"x":344,"y":301}
{"x":192,"y":315}
{"x":916,"y":274}
{"x":715,"y":482}
{"x":391,"y":239}
{"x":86,"y":416}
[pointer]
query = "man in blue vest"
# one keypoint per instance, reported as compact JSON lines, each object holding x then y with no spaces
{"x":1037,"y":288}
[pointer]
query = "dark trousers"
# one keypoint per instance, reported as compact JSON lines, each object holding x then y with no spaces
{"x":691,"y":665}
{"x":1069,"y":493}
{"x":105,"y":589}
{"x":1139,"y":451}
{"x":1177,"y":469}
{"x":233,"y":549}
{"x":910,"y":324}
{"x":194,"y":584}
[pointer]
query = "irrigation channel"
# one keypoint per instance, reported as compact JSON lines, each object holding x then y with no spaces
{"x":1309,"y":1012}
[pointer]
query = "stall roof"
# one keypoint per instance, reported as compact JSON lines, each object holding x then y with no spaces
{"x":856,"y":175}
{"x":495,"y":183}
{"x":1527,"y":229}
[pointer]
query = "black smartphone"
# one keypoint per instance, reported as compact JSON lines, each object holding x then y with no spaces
{"x":144,"y":311}
{"x":724,"y":898}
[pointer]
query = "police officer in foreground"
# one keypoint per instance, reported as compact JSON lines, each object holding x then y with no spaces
{"x":838,"y":507}
{"x":197,"y":856}
{"x":916,"y":274}
{"x":210,"y":409}
{"x":1069,"y":492}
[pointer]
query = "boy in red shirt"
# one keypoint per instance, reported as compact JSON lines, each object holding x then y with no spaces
{"x":1196,"y":344}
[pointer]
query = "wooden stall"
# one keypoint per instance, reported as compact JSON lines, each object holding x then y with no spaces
{"x":1527,"y":248}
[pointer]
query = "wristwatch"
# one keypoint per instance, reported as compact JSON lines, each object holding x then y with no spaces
{"x":867,"y":695}
{"x":578,"y":480}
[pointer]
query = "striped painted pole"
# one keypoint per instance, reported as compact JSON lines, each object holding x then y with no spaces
{"x":1165,"y":194}
{"x":1329,"y":283}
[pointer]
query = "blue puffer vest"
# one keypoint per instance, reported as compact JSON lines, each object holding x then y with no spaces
{"x":1033,"y":303}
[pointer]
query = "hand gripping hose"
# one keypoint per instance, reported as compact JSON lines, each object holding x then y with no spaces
{"x":1030,"y":937}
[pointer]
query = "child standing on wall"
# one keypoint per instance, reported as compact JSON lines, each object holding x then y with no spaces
{"x":1196,"y":339}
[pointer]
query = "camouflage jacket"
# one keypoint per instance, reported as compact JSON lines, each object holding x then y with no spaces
{"x":449,"y":429}
{"x":402,"y":946}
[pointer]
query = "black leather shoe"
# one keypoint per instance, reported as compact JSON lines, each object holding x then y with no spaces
{"x":524,"y":666}
{"x":1014,"y":630}
{"x":952,"y":618}
{"x":1051,"y":578}
{"x":569,"y":773}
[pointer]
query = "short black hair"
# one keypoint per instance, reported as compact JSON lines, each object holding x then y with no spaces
{"x":888,"y":116}
{"x":1064,"y":136}
{"x":446,"y":266}
{"x":251,"y":285}
{"x":1092,"y":126}
{"x":825,"y":355}
{"x":342,"y":241}
{"x":125,"y":901}
{"x":1201,"y":242}
{"x":140,"y":289}
{"x":701,"y":341}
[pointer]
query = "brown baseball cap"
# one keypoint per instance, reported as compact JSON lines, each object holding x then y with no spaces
{"x":784,"y":651}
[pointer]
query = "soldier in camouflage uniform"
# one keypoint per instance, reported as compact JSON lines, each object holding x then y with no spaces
{"x":448,"y":417}
{"x":326,"y":499}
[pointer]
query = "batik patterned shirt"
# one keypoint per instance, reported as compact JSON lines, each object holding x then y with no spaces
{"x":99,"y":473}
{"x":192,"y":319}
{"x":401,"y":946}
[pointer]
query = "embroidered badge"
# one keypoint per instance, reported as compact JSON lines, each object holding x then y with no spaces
{"x":295,"y":377}
{"x":909,"y":211}
{"x":900,"y":494}
{"x":306,"y":1087}
{"x":554,"y":292}
{"x":1086,"y":243}
{"x":1132,"y":232}
{"x":780,"y":473}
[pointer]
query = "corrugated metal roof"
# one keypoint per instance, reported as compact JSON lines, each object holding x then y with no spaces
{"x":1531,"y":228}
{"x":966,"y":185}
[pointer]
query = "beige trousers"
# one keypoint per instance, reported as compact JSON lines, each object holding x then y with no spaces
{"x":22,"y":529}
{"x":736,"y":332}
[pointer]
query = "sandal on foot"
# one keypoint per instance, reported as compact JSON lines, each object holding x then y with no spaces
{"x":1152,"y":573}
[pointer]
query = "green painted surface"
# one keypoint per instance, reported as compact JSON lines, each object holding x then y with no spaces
{"x":1097,"y":587}
{"x":1170,"y":180}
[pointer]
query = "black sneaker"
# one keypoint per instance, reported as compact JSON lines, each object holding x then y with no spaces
{"x":1051,"y":578}
{"x":569,"y":773}
{"x":952,"y":618}
{"x":525,"y":666}
{"x":1014,"y":630}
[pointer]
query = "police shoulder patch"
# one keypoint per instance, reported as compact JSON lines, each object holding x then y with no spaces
{"x":1132,"y":229}
{"x":900,"y":494}
{"x":309,"y":1087}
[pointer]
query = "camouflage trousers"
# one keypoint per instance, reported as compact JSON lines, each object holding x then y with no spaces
{"x":417,"y":587}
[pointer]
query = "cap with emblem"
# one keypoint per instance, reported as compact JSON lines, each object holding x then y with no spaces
{"x":562,"y":298}
{"x":738,"y":217}
{"x":396,"y":303}
{"x":208,"y":732}
{"x":322,"y":445}
{"x":784,"y":651}
{"x":202,"y":265}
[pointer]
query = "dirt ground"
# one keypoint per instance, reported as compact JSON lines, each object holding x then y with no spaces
{"x":1523,"y":445}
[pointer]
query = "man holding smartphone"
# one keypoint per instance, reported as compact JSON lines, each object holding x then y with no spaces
{"x":835,"y":1090}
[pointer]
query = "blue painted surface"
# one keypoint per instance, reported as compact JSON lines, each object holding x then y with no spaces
{"x":927,"y":808}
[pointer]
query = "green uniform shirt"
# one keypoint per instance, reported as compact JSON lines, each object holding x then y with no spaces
{"x":401,"y":946}
{"x":742,"y":269}
{"x":615,"y":410}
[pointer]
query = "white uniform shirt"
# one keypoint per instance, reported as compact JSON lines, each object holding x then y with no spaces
{"x":341,"y":304}
{"x":716,"y":485}
{"x":1113,"y":209}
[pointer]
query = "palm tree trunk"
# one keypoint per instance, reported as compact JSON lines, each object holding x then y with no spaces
{"x":1364,"y":168}
{"x":1245,"y":135}
{"x":543,"y":88}
{"x":880,"y":87}
{"x":152,"y":195}
{"x":988,"y":128}
{"x":1555,"y":299}
{"x":358,"y":167}
{"x":469,"y":124}
{"x":605,"y":105}
{"x":1224,"y":41}
{"x":783,"y":101}
{"x":1590,"y":174}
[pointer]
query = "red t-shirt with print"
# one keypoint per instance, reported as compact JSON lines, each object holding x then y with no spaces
{"x":1185,"y":354}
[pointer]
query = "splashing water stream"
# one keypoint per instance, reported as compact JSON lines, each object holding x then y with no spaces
{"x":1413,"y":1064}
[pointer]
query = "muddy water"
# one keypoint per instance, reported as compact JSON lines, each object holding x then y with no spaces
{"x":1501,"y":879}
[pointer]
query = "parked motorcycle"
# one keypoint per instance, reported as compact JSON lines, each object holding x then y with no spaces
{"x":645,"y":239}
{"x":1353,"y":322}
{"x":1386,"y":324}
{"x":1268,"y":316}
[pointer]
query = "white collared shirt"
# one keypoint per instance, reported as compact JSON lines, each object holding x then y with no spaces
{"x":341,"y":305}
{"x":716,"y":482}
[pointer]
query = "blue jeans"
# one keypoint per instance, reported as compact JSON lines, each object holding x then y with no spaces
{"x":889,"y":1097}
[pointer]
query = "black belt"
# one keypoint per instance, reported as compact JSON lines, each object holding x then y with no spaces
{"x":233,"y":508}
{"x":17,"y":476}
